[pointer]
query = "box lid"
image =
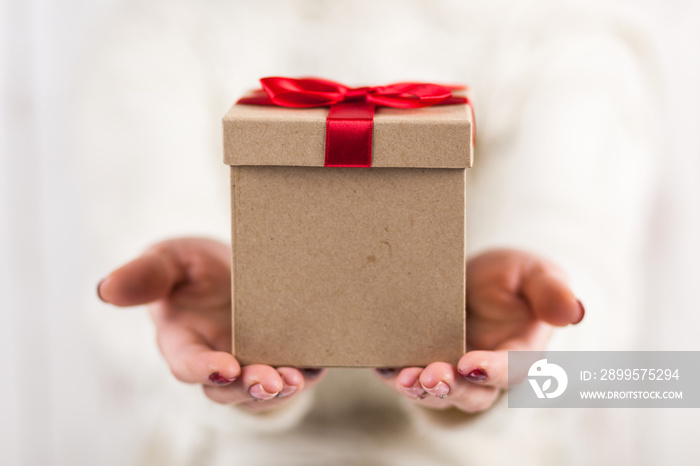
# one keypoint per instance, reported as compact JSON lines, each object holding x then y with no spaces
{"x":439,"y":136}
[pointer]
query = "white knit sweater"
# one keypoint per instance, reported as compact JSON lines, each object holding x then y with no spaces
{"x":564,"y":100}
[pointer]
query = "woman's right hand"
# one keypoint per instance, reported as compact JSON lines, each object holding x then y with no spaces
{"x":187,"y":282}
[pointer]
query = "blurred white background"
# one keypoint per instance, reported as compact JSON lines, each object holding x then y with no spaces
{"x":58,"y":403}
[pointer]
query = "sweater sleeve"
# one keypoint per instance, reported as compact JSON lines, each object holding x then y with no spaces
{"x":566,"y":133}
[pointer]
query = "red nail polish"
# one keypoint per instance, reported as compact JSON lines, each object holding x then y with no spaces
{"x":583,"y":312}
{"x":98,"y":291}
{"x":217,"y":378}
{"x":476,"y":375}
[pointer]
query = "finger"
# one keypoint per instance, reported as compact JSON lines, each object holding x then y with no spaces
{"x":408,"y":384}
{"x":257,"y":382}
{"x":445,"y":384}
{"x":303,"y":378}
{"x":545,"y":289}
{"x":143,"y":280}
{"x":263,"y":382}
{"x":190,"y":270}
{"x":490,"y":368}
{"x":192,"y":360}
{"x":293,"y":381}
{"x":438,"y":379}
{"x":486,"y":368}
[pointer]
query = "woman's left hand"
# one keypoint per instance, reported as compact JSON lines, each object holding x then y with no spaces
{"x":515,"y":300}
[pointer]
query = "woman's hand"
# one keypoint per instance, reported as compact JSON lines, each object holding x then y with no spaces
{"x":187,"y":282}
{"x":514,"y":300}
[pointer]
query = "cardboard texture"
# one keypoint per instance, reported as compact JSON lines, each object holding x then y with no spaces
{"x":434,"y":137}
{"x":350,"y":267}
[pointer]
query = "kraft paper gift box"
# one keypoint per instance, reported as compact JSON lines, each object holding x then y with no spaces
{"x":348,"y":266}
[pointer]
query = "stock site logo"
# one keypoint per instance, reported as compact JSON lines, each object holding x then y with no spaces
{"x":541,"y":370}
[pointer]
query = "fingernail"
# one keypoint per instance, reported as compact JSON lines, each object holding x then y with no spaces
{"x":219,"y":379}
{"x":259,"y":394}
{"x":98,"y":291}
{"x":583,"y":312}
{"x":415,"y":391}
{"x":440,"y":390}
{"x":287,"y":390}
{"x":476,"y":375}
{"x":312,"y":372}
{"x":385,"y":371}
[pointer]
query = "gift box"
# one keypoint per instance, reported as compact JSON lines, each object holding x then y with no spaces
{"x":348,"y":224}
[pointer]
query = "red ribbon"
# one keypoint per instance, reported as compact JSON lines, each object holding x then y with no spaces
{"x":350,"y":119}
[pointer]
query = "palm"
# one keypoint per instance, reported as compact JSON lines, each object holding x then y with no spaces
{"x":498,"y":312}
{"x":187,"y":282}
{"x":485,"y":332}
{"x":514,"y":300}
{"x":212,"y":325}
{"x":200,"y":302}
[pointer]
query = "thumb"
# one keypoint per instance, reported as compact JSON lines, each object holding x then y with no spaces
{"x":546,"y":290}
{"x":143,"y":280}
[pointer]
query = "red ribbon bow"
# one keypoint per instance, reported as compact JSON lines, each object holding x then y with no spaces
{"x":350,"y":119}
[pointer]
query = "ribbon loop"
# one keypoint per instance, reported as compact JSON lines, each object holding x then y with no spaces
{"x":409,"y":95}
{"x":300,"y":93}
